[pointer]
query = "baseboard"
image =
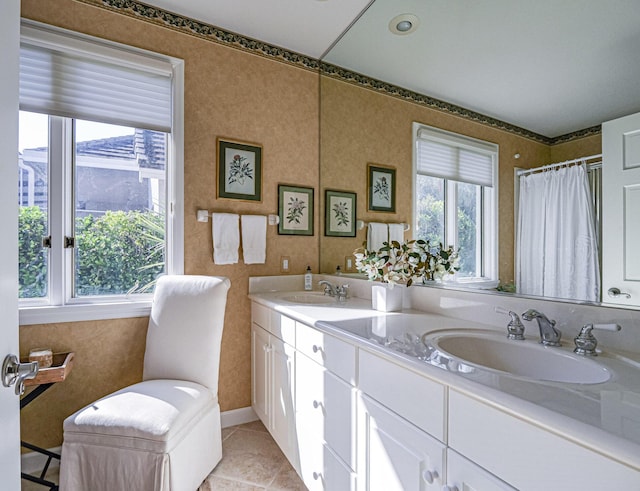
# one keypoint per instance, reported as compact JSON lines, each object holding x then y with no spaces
{"x":237,"y":416}
{"x":33,"y":462}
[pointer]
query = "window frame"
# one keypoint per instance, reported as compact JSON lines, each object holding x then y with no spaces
{"x":58,"y":307}
{"x":488,"y":198}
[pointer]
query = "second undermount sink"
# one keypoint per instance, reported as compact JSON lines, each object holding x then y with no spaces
{"x":308,"y":298}
{"x":490,"y":350}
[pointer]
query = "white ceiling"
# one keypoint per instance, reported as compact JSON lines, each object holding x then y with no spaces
{"x":550,"y":66}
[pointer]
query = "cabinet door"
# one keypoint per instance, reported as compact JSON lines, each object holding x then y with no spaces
{"x":325,"y":408}
{"x":260,"y":375}
{"x":282,"y":396}
{"x":462,"y":474}
{"x":393,"y":454}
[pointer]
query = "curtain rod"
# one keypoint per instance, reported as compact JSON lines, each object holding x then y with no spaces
{"x":523,"y":172}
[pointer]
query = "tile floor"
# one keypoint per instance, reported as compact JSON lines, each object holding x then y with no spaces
{"x":251,"y":461}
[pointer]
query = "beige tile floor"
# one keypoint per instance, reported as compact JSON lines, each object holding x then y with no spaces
{"x":251,"y":461}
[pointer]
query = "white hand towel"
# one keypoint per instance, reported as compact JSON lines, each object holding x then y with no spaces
{"x":396,"y":232}
{"x":226,"y":237}
{"x":377,"y":233}
{"x":254,"y":238}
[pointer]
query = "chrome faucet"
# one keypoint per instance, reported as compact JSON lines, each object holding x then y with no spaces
{"x":340,"y":292}
{"x":329,"y":289}
{"x":549,"y":335}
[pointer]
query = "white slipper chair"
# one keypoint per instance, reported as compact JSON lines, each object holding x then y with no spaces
{"x":163,"y":433}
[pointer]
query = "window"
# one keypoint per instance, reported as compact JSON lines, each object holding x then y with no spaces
{"x":100,"y":176}
{"x":455,"y":198}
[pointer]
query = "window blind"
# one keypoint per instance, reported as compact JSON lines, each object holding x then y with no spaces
{"x":70,"y":77}
{"x":448,"y":156}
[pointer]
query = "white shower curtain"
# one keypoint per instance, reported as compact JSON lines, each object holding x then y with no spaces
{"x":557,"y":251}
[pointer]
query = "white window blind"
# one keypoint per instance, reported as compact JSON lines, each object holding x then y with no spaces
{"x":63,"y":76}
{"x":448,"y":156}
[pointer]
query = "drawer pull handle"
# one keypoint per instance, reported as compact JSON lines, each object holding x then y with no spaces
{"x":316,"y":348}
{"x":430,"y":476}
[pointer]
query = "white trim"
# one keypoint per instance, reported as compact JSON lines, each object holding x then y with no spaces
{"x":238,"y":416}
{"x":87,"y":312}
{"x":490,"y":245}
{"x":175,"y":178}
{"x":60,"y":306}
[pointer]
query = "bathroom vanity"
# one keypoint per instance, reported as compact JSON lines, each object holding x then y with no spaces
{"x":357,"y":401}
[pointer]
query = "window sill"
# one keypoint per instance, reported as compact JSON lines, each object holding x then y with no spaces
{"x":476,"y":283}
{"x":83,"y":312}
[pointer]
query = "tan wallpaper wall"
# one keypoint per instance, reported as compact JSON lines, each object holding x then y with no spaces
{"x":360,"y":126}
{"x":228,"y":93}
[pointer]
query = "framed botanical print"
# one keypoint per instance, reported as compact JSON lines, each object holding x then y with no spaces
{"x":239,"y":170}
{"x":340,"y":213}
{"x":381,"y":188}
{"x":295,"y":210}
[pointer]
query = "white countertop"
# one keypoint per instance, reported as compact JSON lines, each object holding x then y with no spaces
{"x":604,"y":417}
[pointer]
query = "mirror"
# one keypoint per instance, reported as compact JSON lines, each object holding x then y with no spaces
{"x":366,"y":121}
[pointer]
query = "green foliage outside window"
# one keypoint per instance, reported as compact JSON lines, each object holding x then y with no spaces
{"x":116,"y":253}
{"x":32,"y":264}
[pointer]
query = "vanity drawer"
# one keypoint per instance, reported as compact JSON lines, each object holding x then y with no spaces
{"x":283,"y":327}
{"x":325,"y":408}
{"x":260,"y":315}
{"x":332,"y":353}
{"x":416,"y":398}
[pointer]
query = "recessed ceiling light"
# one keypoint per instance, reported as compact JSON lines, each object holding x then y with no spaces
{"x":404,"y":24}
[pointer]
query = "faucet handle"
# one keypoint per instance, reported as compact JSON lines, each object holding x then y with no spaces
{"x":515,"y":328}
{"x":342,"y":292}
{"x":586,"y":342}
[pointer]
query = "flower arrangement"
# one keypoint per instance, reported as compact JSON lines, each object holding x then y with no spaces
{"x":401,"y":263}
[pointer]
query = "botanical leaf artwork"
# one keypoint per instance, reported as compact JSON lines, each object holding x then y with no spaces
{"x":295,"y":209}
{"x":239,"y":170}
{"x":341,"y":213}
{"x":381,"y":188}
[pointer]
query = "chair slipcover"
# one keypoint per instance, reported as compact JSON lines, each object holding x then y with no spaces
{"x":163,"y":433}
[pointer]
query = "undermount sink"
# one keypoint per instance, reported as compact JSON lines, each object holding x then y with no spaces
{"x":490,"y":350}
{"x":309,"y":298}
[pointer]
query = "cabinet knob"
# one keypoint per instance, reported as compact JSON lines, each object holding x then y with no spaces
{"x":450,"y":488}
{"x":430,"y":476}
{"x":316,"y":348}
{"x":316,"y":476}
{"x":316,"y":404}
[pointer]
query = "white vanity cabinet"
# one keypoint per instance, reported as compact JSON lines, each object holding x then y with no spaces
{"x":350,"y":417}
{"x":273,"y":376}
{"x":527,"y":456}
{"x":325,"y":409}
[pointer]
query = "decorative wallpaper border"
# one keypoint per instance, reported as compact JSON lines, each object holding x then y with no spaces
{"x":186,"y":25}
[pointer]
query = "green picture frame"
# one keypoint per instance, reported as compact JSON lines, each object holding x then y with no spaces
{"x":295,"y":210}
{"x":340,"y":213}
{"x":239,"y":168}
{"x":381,"y":188}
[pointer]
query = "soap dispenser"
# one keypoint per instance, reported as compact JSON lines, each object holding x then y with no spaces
{"x":308,"y":279}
